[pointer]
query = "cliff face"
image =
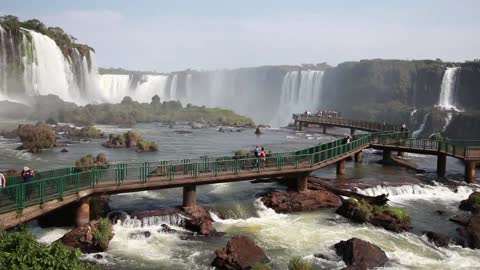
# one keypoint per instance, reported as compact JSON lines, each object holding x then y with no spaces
{"x":468,"y":86}
{"x":380,"y":89}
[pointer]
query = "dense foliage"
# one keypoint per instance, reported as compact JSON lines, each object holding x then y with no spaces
{"x":130,"y":139}
{"x":89,"y":162}
{"x":103,"y":234}
{"x":20,"y":250}
{"x":65,"y":41}
{"x":36,"y":137}
{"x":129,"y":112}
{"x":365,"y":212}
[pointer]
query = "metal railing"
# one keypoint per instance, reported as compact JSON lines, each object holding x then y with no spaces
{"x":357,"y":124}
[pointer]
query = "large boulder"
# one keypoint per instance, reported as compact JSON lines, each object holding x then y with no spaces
{"x":472,"y":203}
{"x":471,"y":232}
{"x":241,"y":253}
{"x":392,"y":219}
{"x":359,"y":254}
{"x":439,"y":240}
{"x":89,"y":238}
{"x":291,"y":201}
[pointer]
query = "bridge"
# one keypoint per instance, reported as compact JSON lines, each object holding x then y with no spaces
{"x":21,"y":202}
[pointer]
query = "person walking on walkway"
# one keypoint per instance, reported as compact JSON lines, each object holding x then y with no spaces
{"x":27,"y":175}
{"x":3,"y":180}
{"x":263,"y":157}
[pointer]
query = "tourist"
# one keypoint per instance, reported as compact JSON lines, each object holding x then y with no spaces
{"x":263,"y":157}
{"x":3,"y":180}
{"x":256,"y":153}
{"x":403,"y":127}
{"x":27,"y":175}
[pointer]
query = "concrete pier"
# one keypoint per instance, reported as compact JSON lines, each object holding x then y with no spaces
{"x":441,"y":165}
{"x":387,"y":154}
{"x":341,"y":167}
{"x":189,"y":196}
{"x":357,"y":157}
{"x":83,"y":212}
{"x":470,"y":171}
{"x":302,"y":182}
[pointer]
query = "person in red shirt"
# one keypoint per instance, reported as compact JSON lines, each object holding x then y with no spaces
{"x":263,"y":157}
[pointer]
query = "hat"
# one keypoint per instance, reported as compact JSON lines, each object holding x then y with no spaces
{"x":26,"y":168}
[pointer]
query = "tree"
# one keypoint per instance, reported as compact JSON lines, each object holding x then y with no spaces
{"x":127,"y":100}
{"x":155,"y":100}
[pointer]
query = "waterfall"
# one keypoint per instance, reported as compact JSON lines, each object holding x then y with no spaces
{"x":300,"y":92}
{"x":447,"y":90}
{"x":173,"y":87}
{"x":419,"y":131}
{"x":114,"y":87}
{"x":188,"y":89}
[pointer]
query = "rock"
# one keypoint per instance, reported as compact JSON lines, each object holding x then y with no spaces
{"x":241,"y":253}
{"x":258,"y":131}
{"x":359,"y":254}
{"x":292,"y":201}
{"x":221,"y":130}
{"x":460,"y":219}
{"x":83,"y":238}
{"x":471,"y":232}
{"x":439,"y":239}
{"x":440,"y":212}
{"x":64,"y":150}
{"x":360,"y":211}
{"x":196,"y":219}
{"x":98,"y":256}
{"x":471,"y":204}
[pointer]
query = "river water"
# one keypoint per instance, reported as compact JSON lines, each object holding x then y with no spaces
{"x":282,"y":236}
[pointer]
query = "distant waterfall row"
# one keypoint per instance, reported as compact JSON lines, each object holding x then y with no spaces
{"x":33,"y":64}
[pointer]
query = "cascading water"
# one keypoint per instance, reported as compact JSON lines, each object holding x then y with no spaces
{"x":419,"y":131}
{"x":447,"y":89}
{"x":173,"y":88}
{"x":300,"y":92}
{"x":114,"y":87}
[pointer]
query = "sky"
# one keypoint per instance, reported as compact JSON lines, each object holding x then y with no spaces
{"x":172,"y":35}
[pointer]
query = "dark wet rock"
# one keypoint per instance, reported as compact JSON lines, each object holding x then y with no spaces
{"x":135,"y":235}
{"x":64,"y":150}
{"x":196,"y":219}
{"x":241,"y":253}
{"x":380,"y":216}
{"x":460,"y":219}
{"x":83,"y":238}
{"x":440,"y":212}
{"x":258,"y":131}
{"x":360,"y":254}
{"x":471,"y":232}
{"x":183,"y":131}
{"x":221,"y":130}
{"x":321,"y":256}
{"x":292,"y":201}
{"x":439,"y":240}
{"x":167,"y":229}
{"x":98,"y":256}
{"x":471,"y":204}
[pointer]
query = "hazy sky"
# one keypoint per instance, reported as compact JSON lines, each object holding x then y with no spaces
{"x":210,"y":34}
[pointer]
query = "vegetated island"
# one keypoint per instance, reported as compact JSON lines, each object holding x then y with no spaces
{"x":129,"y":112}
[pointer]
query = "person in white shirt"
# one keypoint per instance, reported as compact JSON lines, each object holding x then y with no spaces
{"x":3,"y":180}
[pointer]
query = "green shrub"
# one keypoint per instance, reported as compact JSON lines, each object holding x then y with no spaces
{"x":261,"y":266}
{"x":20,"y":250}
{"x":89,"y":162}
{"x":298,"y":263}
{"x":36,"y":137}
{"x":103,"y":234}
{"x":399,"y":213}
{"x":474,"y":200}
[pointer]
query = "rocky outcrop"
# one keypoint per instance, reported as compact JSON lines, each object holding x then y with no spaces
{"x":36,"y":137}
{"x":89,"y":238}
{"x":241,"y":253}
{"x":471,"y":232}
{"x":392,"y":219}
{"x":360,"y":254}
{"x":196,"y":219}
{"x":460,"y":219}
{"x":292,"y":201}
{"x":439,"y":240}
{"x":471,"y":204}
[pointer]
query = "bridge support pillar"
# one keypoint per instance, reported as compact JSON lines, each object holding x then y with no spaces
{"x":302,"y":182}
{"x":190,"y":196}
{"x":300,"y":125}
{"x":387,"y":154}
{"x":341,"y":167}
{"x":83,"y":212}
{"x":358,"y":157}
{"x":352,"y":131}
{"x":324,"y":129}
{"x":470,"y":171}
{"x":441,"y":165}
{"x":400,"y":153}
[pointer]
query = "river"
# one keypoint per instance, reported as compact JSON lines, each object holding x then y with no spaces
{"x":282,"y":236}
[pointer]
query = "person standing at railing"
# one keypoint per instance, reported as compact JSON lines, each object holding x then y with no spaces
{"x":3,"y":180}
{"x":263,"y":157}
{"x":27,"y":175}
{"x":256,"y":153}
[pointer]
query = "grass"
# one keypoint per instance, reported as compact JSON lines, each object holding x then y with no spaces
{"x":399,"y":213}
{"x":298,"y":263}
